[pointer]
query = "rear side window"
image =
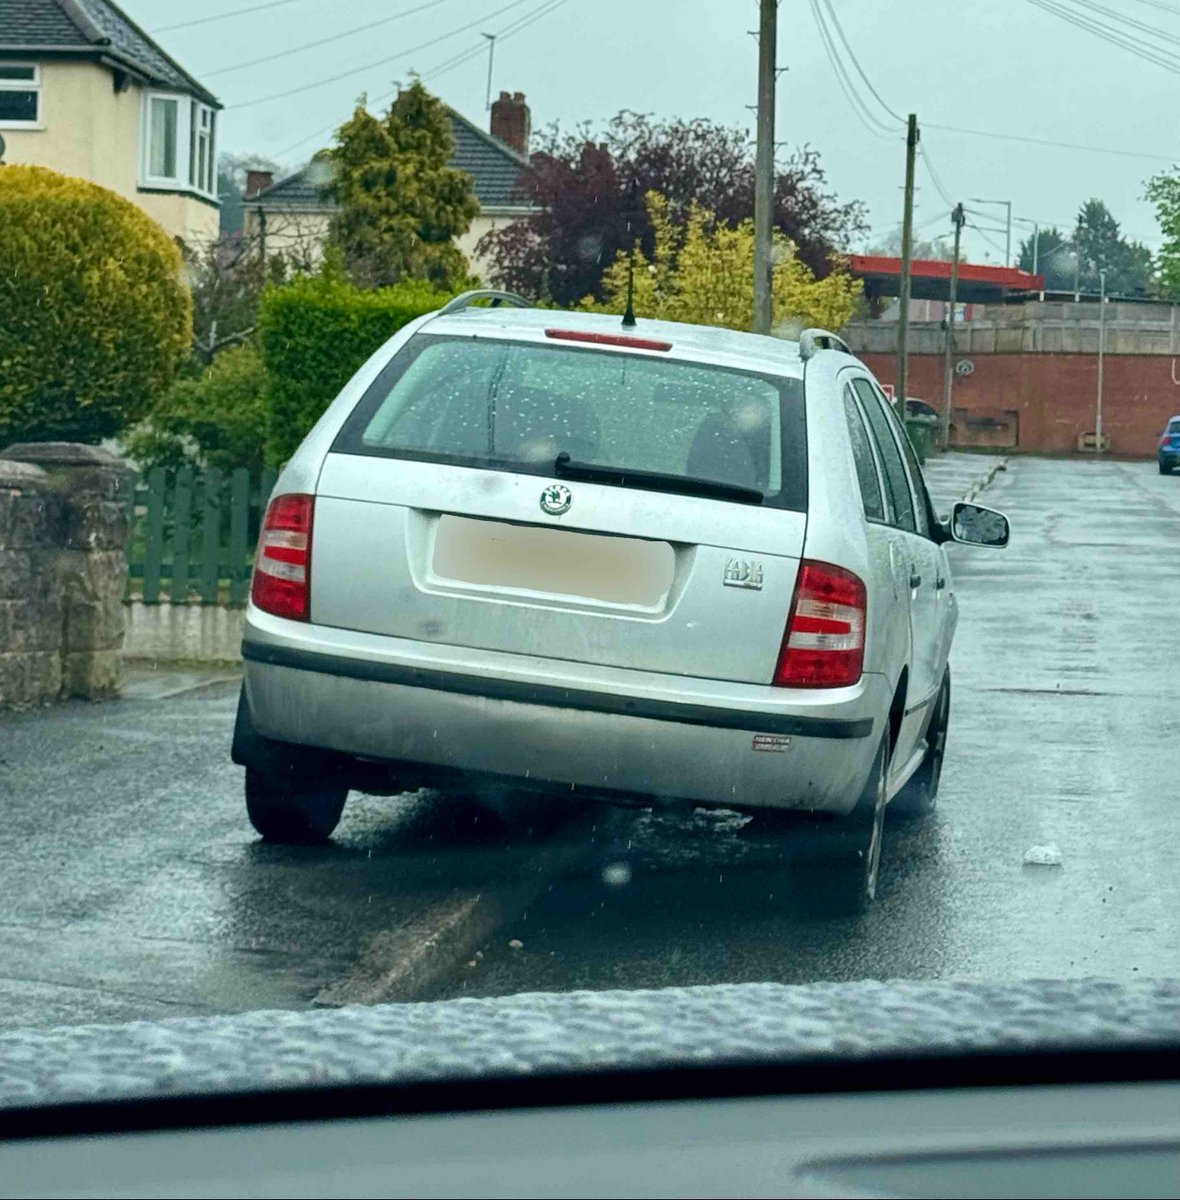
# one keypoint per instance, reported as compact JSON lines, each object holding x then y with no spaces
{"x":922,"y":507}
{"x":516,"y":406}
{"x":862,"y":455}
{"x":895,"y":475}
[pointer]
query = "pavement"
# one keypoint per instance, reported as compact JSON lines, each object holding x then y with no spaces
{"x":132,"y":886}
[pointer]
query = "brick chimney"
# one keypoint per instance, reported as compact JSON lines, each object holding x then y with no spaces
{"x":257,"y":181}
{"x":512,"y":121}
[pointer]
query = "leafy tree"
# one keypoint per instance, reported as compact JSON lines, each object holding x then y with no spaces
{"x":1101,"y":247}
{"x":399,"y":205}
{"x":226,"y":278}
{"x":94,"y":315}
{"x":231,"y":187}
{"x":1054,"y":258}
{"x":702,"y":271}
{"x":1163,"y":191}
{"x":218,"y":419}
{"x":579,"y":182}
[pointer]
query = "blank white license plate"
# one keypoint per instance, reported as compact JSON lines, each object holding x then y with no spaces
{"x":561,"y":562}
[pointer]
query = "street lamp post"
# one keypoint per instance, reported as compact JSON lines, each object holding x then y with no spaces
{"x":1008,"y":245}
{"x":1101,"y":360}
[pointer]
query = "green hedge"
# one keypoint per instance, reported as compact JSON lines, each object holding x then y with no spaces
{"x":315,"y":332}
{"x":219,"y":419}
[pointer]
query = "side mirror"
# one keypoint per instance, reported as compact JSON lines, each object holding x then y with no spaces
{"x":974,"y":525}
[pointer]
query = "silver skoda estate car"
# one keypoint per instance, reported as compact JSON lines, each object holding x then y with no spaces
{"x":655,"y":561}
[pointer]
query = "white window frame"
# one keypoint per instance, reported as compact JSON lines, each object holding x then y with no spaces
{"x":189,"y":135}
{"x":202,"y":131}
{"x":23,"y":85}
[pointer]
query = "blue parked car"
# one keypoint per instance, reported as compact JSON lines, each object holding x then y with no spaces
{"x":1169,"y":448}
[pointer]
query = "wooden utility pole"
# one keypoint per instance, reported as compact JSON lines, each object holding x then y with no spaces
{"x":907,"y":260}
{"x":764,"y":166}
{"x":948,"y":389}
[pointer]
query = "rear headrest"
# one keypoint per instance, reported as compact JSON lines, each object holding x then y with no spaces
{"x":536,"y":425}
{"x":721,"y":452}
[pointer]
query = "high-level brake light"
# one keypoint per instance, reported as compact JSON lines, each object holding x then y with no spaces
{"x":607,"y":339}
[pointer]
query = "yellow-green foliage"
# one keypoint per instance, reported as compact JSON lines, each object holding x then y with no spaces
{"x":703,"y":272}
{"x":94,"y":314}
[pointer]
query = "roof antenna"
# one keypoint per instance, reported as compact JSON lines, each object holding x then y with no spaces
{"x":629,"y":314}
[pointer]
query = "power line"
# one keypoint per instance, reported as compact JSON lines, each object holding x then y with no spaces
{"x":988,"y":133}
{"x":1113,"y":37}
{"x":480,"y":49}
{"x":934,"y":177}
{"x":237,"y":12}
{"x":1123,"y":19}
{"x":1035,"y":141}
{"x":1162,"y":6}
{"x":318,"y":42}
{"x":442,"y":37}
{"x":856,"y":62}
{"x":514,"y":27}
{"x":991,"y":242}
{"x":895,"y":226}
{"x":863,"y":112}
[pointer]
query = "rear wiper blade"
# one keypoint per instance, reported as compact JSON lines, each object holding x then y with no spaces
{"x":656,"y":481}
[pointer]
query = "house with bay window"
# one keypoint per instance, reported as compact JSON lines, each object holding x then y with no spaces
{"x":85,"y":91}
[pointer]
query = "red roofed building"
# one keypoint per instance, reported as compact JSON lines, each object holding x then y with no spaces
{"x":931,"y":280}
{"x":1025,"y":364}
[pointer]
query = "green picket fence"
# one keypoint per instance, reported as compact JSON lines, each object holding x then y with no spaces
{"x":192,"y":537}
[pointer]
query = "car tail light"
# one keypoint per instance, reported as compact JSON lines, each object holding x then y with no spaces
{"x":282,"y":566}
{"x":824,"y":645}
{"x":1166,"y":440}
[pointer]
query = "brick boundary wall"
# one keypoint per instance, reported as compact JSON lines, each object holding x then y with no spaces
{"x":63,"y":571}
{"x":1042,"y":403}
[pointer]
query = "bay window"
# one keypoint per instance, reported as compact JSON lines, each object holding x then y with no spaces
{"x":178,"y":144}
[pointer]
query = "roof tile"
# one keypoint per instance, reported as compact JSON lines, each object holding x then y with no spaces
{"x":36,"y":24}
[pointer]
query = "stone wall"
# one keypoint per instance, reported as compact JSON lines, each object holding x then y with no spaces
{"x":63,"y":571}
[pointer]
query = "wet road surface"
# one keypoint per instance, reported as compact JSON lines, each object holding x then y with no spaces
{"x":131,"y":885}
{"x":1065,"y":717}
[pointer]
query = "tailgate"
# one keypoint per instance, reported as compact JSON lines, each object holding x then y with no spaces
{"x":628,"y":578}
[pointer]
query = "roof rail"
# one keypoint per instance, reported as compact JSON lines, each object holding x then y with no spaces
{"x":467,"y":299}
{"x":811,"y":341}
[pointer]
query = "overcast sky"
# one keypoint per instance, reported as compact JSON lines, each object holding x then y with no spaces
{"x":1001,"y":65}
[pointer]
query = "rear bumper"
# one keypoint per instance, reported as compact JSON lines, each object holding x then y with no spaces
{"x":603,"y":729}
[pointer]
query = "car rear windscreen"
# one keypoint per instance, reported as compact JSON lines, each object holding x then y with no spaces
{"x":516,"y":406}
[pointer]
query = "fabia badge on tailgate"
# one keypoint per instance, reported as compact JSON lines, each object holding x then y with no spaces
{"x":556,"y":499}
{"x":743,"y":574}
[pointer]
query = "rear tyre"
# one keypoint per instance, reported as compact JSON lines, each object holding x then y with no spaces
{"x":836,"y":863}
{"x":1165,"y":468}
{"x":293,"y":815}
{"x":919,"y":797}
